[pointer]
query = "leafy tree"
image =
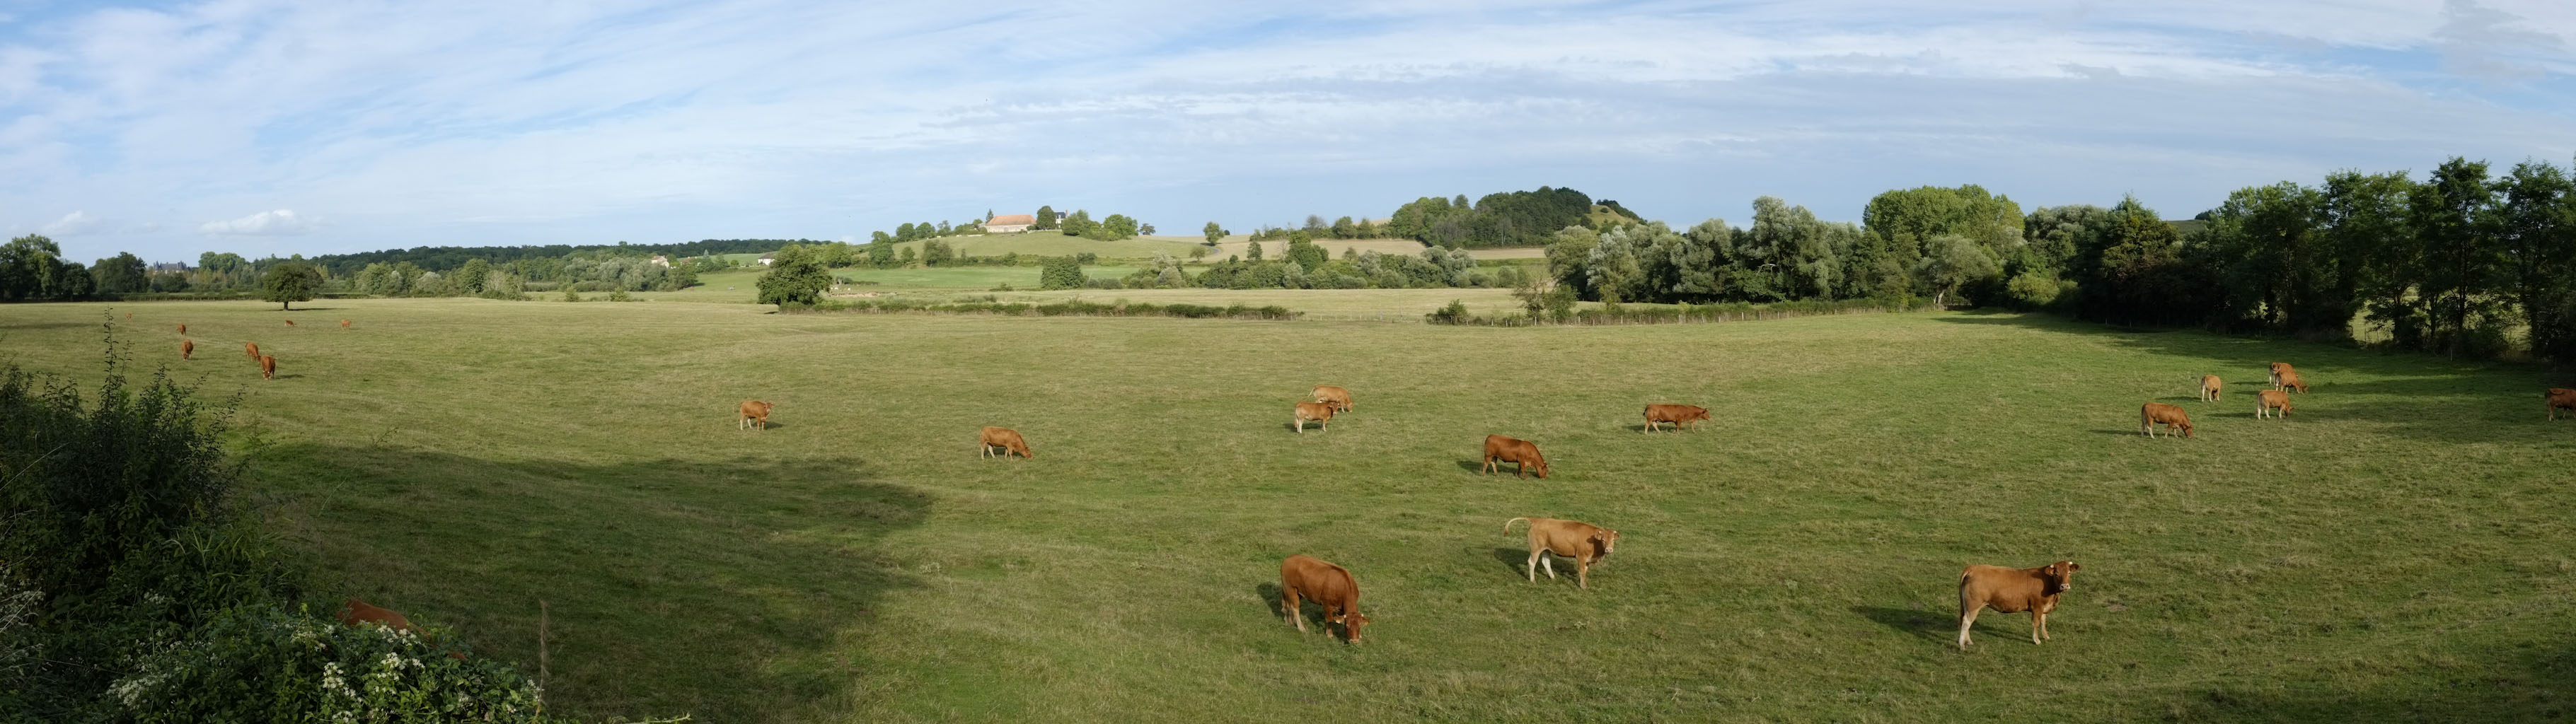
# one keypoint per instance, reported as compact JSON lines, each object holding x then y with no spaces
{"x":1213,"y":233}
{"x":1344,"y":228}
{"x":1253,"y":252}
{"x":881,"y":251}
{"x":1045,"y":218}
{"x":2461,"y":263}
{"x":1144,"y":229}
{"x":1951,"y":261}
{"x":474,"y":277}
{"x":122,"y":273}
{"x":1199,"y":252}
{"x":795,"y":276}
{"x":289,"y":283}
{"x":2537,"y":226}
{"x":935,"y":253}
{"x":1078,"y":224}
{"x":1306,"y":254}
{"x":1117,"y":226}
{"x":1060,"y":272}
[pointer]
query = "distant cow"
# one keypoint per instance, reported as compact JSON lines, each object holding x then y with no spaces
{"x":1678,"y":415}
{"x":344,"y":324}
{"x":2170,"y":416}
{"x":1320,"y":412}
{"x":1340,"y":398}
{"x":2266,"y":402}
{"x":183,"y":329}
{"x":1007,"y":439}
{"x":267,"y":367}
{"x":187,"y":347}
{"x":2209,"y":388}
{"x":290,"y":322}
{"x":252,"y":348}
{"x":2558,"y":397}
{"x":2290,"y":379}
{"x":1586,"y":543}
{"x":1330,"y":586}
{"x":1499,"y":449}
{"x":2277,"y":369}
{"x":2013,"y":590}
{"x":360,"y":614}
{"x":754,"y":413}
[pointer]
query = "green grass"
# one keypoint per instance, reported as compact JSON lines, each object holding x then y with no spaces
{"x":1055,"y":243}
{"x":2398,"y":549}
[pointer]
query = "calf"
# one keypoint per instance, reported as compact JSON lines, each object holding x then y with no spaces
{"x":267,"y":367}
{"x":2013,"y":590}
{"x":1320,"y":412}
{"x":183,"y":329}
{"x":1523,"y":455}
{"x":2266,"y":402}
{"x":187,"y":347}
{"x":1340,"y":398}
{"x":2209,"y":388}
{"x":360,"y":614}
{"x":2157,"y":412}
{"x":1678,"y":415}
{"x":1007,"y":439}
{"x":290,"y":322}
{"x":2277,"y":369}
{"x":344,"y":324}
{"x":252,"y":348}
{"x":754,"y":414}
{"x":2558,"y":397}
{"x":2290,"y":379}
{"x":1586,"y":543}
{"x":1329,"y":586}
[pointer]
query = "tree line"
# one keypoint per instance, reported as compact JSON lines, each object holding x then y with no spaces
{"x":1512,"y":218}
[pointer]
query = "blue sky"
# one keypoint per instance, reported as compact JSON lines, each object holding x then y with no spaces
{"x":281,"y":127}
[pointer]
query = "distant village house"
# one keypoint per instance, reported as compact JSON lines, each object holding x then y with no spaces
{"x":765,"y":259}
{"x":1010,"y":223}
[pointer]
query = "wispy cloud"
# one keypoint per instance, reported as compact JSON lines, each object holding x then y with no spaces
{"x":491,"y":122}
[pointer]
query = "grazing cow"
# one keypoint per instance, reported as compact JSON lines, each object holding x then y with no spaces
{"x":2290,"y":379}
{"x":2158,"y":412}
{"x":1007,"y":439}
{"x":2209,"y":388}
{"x":252,"y":348}
{"x":1678,"y":415}
{"x":2267,"y":401}
{"x":344,"y":324}
{"x":290,"y":322}
{"x":1340,"y":398}
{"x":267,"y":367}
{"x":183,"y":329}
{"x":1329,"y":586}
{"x":2013,"y":590}
{"x":129,"y":315}
{"x":1521,"y":453}
{"x":2558,"y":397}
{"x":187,"y":347}
{"x":754,"y":413}
{"x":1584,"y":542}
{"x":360,"y":614}
{"x":2277,"y":369}
{"x":1320,"y":412}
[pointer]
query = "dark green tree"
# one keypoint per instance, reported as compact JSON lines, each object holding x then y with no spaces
{"x":120,"y":274}
{"x":289,"y":283}
{"x":795,"y":276}
{"x":1060,"y":272}
{"x":1045,"y":219}
{"x":1213,"y":232}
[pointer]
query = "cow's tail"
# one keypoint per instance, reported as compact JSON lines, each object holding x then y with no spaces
{"x":1507,"y":525}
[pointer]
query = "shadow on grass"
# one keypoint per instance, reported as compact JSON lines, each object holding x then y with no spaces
{"x":731,"y":590}
{"x":2487,"y":684}
{"x":1512,"y":559}
{"x":1927,"y":625}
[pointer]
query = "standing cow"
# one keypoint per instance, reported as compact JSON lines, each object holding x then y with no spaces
{"x":1677,"y":415}
{"x":267,"y":367}
{"x":2271,"y":403}
{"x":187,"y":347}
{"x":1007,"y":439}
{"x":1320,"y":412}
{"x":183,"y":329}
{"x":754,"y":415}
{"x":2277,"y":369}
{"x":1330,"y":586}
{"x":2013,"y":590}
{"x":344,"y":324}
{"x":1584,"y":542}
{"x":2209,"y":388}
{"x":1338,"y":397}
{"x":2558,"y":397}
{"x":2173,"y":418}
{"x":251,"y":348}
{"x":290,"y":322}
{"x":1523,"y":455}
{"x":2290,"y":381}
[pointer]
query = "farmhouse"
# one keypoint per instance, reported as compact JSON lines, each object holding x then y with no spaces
{"x":1010,"y":224}
{"x":765,"y":259}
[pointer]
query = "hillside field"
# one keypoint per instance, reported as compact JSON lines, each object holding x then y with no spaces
{"x":2400,"y":548}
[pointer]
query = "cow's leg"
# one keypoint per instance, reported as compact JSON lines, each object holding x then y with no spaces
{"x":1489,"y":465}
{"x":1548,"y":562}
{"x":1520,"y":469}
{"x":1288,"y":602}
{"x":2038,"y":625}
{"x":1967,"y":618}
{"x":1582,"y":574}
{"x":1531,"y":567}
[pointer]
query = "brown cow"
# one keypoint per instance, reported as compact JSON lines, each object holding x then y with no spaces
{"x":2158,"y":412}
{"x":2277,"y":369}
{"x":290,"y":322}
{"x":2266,"y":401}
{"x":1329,"y":586}
{"x":1499,"y":449}
{"x":183,"y":329}
{"x":754,"y":413}
{"x":267,"y":367}
{"x":2013,"y":590}
{"x":2558,"y":397}
{"x":1584,"y":542}
{"x":1007,"y":439}
{"x":360,"y":614}
{"x":1320,"y":412}
{"x":1678,"y":415}
{"x":2290,"y":379}
{"x":2209,"y":388}
{"x":187,"y":347}
{"x":1340,"y":398}
{"x":344,"y":324}
{"x":252,"y":348}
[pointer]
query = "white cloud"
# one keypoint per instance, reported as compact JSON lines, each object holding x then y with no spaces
{"x":282,"y":222}
{"x":72,"y":224}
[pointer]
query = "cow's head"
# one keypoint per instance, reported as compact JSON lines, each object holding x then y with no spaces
{"x":1539,"y":466}
{"x":2061,"y":577}
{"x":1351,"y":622}
{"x":1604,"y":540}
{"x":2186,"y":427}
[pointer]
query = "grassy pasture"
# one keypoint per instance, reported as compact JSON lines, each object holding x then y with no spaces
{"x":2398,"y":549}
{"x":1055,"y":243}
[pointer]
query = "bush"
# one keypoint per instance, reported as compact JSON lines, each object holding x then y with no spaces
{"x":1060,"y":273}
{"x":571,"y":295}
{"x":1455,"y":313}
{"x":620,"y":296}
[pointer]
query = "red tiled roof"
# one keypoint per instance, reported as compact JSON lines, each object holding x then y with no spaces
{"x":1012,"y":219}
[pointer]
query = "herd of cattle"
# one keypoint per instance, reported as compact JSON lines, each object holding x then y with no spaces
{"x":1306,"y":578}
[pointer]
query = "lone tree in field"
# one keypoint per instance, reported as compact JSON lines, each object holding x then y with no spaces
{"x":796,"y":276}
{"x":1214,"y":233}
{"x":1062,"y":272}
{"x":290,"y":283}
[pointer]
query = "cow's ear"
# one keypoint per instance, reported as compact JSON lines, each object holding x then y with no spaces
{"x":2074,"y":566}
